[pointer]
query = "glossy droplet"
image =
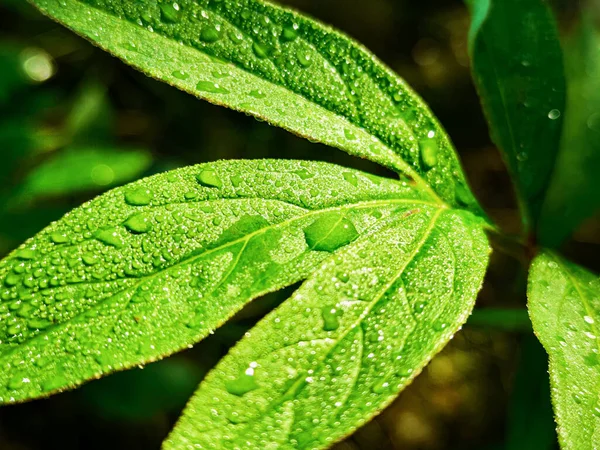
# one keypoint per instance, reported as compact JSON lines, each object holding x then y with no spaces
{"x":304,"y":58}
{"x":109,"y":236}
{"x":588,"y":319}
{"x":38,"y":324}
{"x":429,"y":152}
{"x":304,"y":174}
{"x":242,"y":384}
{"x":54,"y":383}
{"x":381,"y":386}
{"x":180,"y":75}
{"x":209,"y":178}
{"x":170,"y":12}
{"x":17,"y":382}
{"x":257,"y":94}
{"x":591,"y":360}
{"x":25,"y":253}
{"x":138,"y":223}
{"x":330,"y":315}
{"x":462,"y":194}
{"x":439,"y":325}
{"x":138,"y":197}
{"x":59,"y":238}
{"x":349,"y":134}
{"x":209,"y":86}
{"x":330,"y":232}
{"x":289,"y":33}
{"x":351,"y":178}
{"x":554,"y":114}
{"x":262,"y":51}
{"x":89,"y":259}
{"x":210,"y":34}
{"x":12,"y":279}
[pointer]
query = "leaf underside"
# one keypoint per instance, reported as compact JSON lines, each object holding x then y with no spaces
{"x":282,"y":67}
{"x":153,"y":267}
{"x":518,"y":70}
{"x":564,"y":305}
{"x":353,"y":336}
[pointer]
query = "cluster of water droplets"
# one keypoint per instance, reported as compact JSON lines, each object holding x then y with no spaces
{"x":353,"y":335}
{"x":252,"y":57}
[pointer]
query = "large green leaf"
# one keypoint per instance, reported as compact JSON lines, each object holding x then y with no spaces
{"x":518,"y":70}
{"x":574,"y":194}
{"x":282,"y":67}
{"x":352,"y":337}
{"x":155,"y":266}
{"x":564,"y":305}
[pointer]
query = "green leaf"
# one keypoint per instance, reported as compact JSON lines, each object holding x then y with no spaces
{"x":564,"y":305}
{"x":574,"y":195}
{"x":518,"y":70}
{"x":153,"y":267}
{"x":348,"y":341}
{"x":77,"y":170}
{"x":282,"y":67}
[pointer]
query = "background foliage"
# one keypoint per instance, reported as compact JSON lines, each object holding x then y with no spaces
{"x":74,"y":122}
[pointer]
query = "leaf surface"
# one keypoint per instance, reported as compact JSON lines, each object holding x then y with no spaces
{"x":153,"y":267}
{"x":347,"y":342}
{"x":282,"y":67}
{"x":564,"y":305}
{"x":574,"y":195}
{"x":518,"y":70}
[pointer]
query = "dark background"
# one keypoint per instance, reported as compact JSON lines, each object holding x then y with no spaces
{"x":60,"y":98}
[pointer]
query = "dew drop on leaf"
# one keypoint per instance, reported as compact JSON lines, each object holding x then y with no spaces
{"x":209,"y":86}
{"x":330,"y":232}
{"x":138,"y":197}
{"x":210,"y":34}
{"x":289,"y":34}
{"x":330,"y":315}
{"x":242,"y":384}
{"x":429,"y":152}
{"x":351,"y":178}
{"x":59,"y":238}
{"x":138,"y":223}
{"x":170,"y":12}
{"x":209,"y":178}
{"x":109,"y":236}
{"x":554,"y":114}
{"x":180,"y":75}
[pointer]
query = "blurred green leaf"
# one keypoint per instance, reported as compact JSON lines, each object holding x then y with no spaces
{"x":574,"y":194}
{"x":531,"y":420}
{"x":518,"y":70}
{"x":77,"y":170}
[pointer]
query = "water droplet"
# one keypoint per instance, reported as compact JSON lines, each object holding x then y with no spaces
{"x":304,"y":58}
{"x":591,"y":360}
{"x":59,"y":238}
{"x":554,"y":114}
{"x":588,"y":319}
{"x":349,"y":134}
{"x":289,"y":33}
{"x":12,"y":279}
{"x":330,"y":232}
{"x":138,"y":197}
{"x":380,"y":387}
{"x":304,"y":174}
{"x":242,"y":384}
{"x":462,"y":194}
{"x":209,"y":86}
{"x":429,"y":152}
{"x":38,"y":324}
{"x":330,"y":315}
{"x":350,"y":178}
{"x":210,"y":33}
{"x":54,"y":383}
{"x":90,"y":259}
{"x":596,"y":411}
{"x":170,"y":12}
{"x":17,"y":382}
{"x":439,"y":325}
{"x":109,"y":236}
{"x":209,"y":178}
{"x":262,"y":51}
{"x":522,"y":156}
{"x":138,"y":223}
{"x":257,"y":94}
{"x":25,"y":253}
{"x":181,"y":75}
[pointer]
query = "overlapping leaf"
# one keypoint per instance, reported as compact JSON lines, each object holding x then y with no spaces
{"x":564,"y":305}
{"x":574,"y":195}
{"x":153,"y":267}
{"x":354,"y":335}
{"x":518,"y":70}
{"x":283,"y":67}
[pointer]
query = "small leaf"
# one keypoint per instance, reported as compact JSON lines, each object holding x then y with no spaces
{"x":518,"y":70}
{"x":574,"y":195}
{"x":77,"y":170}
{"x":151,"y":268}
{"x":282,"y":67}
{"x":348,"y":341}
{"x":564,"y":305}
